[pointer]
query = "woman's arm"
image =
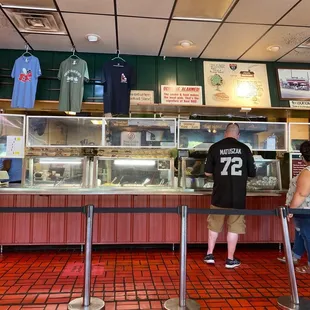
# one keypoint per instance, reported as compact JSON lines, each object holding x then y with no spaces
{"x":302,"y":189}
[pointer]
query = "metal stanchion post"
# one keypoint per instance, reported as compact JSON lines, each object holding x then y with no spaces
{"x":292,"y":302}
{"x":87,"y":302}
{"x":182,"y":303}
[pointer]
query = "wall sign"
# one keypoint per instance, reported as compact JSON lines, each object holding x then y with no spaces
{"x":236,"y":84}
{"x":297,"y":164}
{"x":300,"y":104}
{"x":141,"y":96}
{"x":15,"y":146}
{"x":176,"y":94}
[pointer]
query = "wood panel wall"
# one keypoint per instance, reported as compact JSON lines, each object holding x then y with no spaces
{"x":68,"y":228}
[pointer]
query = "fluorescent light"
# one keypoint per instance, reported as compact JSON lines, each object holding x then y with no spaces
{"x":7,"y":6}
{"x":96,"y":121}
{"x":60,"y":161}
{"x":134,"y":162}
{"x":199,"y":19}
{"x":70,"y":113}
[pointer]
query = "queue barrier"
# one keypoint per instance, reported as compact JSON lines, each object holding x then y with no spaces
{"x":292,"y":302}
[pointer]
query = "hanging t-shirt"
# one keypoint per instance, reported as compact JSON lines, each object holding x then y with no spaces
{"x":118,"y":81}
{"x":72,"y":73}
{"x":25,"y":73}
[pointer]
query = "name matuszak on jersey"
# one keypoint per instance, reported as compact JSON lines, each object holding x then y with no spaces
{"x":230,"y":151}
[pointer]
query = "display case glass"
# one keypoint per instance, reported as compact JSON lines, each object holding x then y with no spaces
{"x":268,"y":175}
{"x":60,"y":172}
{"x":259,"y":136}
{"x":297,"y":134}
{"x":53,"y":131}
{"x":140,"y":132}
{"x":12,"y":136}
{"x":133,"y":172}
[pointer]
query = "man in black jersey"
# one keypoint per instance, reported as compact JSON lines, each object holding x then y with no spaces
{"x":230,"y":162}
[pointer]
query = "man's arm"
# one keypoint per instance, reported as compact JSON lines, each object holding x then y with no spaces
{"x":6,"y":164}
{"x":251,"y":165}
{"x":209,"y":164}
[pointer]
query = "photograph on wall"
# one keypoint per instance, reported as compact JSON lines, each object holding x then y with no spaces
{"x":294,"y":84}
{"x":230,"y":84}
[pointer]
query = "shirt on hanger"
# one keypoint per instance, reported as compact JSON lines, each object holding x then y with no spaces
{"x":25,"y":73}
{"x":72,"y":73}
{"x":118,"y":81}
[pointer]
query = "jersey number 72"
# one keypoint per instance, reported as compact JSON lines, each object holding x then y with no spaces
{"x":232,"y":166}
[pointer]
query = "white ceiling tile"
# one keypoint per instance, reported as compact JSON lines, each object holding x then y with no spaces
{"x":232,"y":40}
{"x":285,"y":37}
{"x":102,"y":25}
{"x":260,"y":11}
{"x":9,"y":37}
{"x":297,"y":55}
{"x":199,"y":33}
{"x":299,"y":16}
{"x":91,"y":6}
{"x":145,"y":8}
{"x":48,"y":42}
{"x":140,"y":36}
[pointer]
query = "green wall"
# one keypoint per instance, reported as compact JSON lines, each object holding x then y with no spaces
{"x":152,"y":72}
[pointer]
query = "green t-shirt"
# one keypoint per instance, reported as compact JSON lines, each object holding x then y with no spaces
{"x":72,"y":73}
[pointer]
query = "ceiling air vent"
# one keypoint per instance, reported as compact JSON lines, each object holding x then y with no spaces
{"x":32,"y":21}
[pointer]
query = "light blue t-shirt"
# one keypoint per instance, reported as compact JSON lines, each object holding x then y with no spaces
{"x":25,"y":73}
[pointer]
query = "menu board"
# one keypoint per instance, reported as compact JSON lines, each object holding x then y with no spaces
{"x":297,"y":165}
{"x":15,"y":146}
{"x":236,"y":84}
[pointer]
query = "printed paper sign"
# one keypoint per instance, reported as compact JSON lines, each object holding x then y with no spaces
{"x":129,"y":138}
{"x":297,"y":164}
{"x":15,"y":146}
{"x":189,"y":125}
{"x":141,"y":96}
{"x":181,"y":94}
{"x":300,"y":104}
{"x":236,"y":84}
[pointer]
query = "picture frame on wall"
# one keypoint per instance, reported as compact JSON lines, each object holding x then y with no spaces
{"x":293,"y":84}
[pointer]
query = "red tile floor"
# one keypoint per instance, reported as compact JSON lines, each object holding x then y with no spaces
{"x":144,"y":279}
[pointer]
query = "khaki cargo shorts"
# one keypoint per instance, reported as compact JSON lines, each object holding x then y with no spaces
{"x":235,"y":223}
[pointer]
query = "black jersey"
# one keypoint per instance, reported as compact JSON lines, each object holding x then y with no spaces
{"x":231,"y":163}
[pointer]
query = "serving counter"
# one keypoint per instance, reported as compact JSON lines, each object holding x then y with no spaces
{"x":132,"y":163}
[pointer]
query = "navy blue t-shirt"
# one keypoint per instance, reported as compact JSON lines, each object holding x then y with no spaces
{"x":118,"y":81}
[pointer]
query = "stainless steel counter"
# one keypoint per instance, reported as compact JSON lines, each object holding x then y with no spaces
{"x":119,"y":191}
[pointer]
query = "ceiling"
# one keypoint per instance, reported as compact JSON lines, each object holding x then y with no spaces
{"x":245,"y":31}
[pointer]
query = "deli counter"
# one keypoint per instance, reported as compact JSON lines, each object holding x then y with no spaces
{"x":127,"y":162}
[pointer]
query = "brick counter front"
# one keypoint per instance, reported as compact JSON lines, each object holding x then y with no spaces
{"x":69,"y":228}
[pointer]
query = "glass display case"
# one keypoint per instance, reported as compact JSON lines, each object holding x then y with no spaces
{"x":60,"y":172}
{"x":268,"y":175}
{"x":133,"y":172}
{"x":53,"y":131}
{"x":140,"y":132}
{"x":12,"y":136}
{"x":259,"y":136}
{"x":297,"y":134}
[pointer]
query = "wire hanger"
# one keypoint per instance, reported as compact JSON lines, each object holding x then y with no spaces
{"x":118,"y":57}
{"x":27,"y":51}
{"x":73,"y":53}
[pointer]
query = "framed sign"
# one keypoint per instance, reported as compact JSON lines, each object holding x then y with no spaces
{"x":236,"y":84}
{"x":293,"y":84}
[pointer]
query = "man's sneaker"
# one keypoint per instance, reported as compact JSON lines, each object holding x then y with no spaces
{"x":209,"y":259}
{"x":232,"y":263}
{"x":283,"y":260}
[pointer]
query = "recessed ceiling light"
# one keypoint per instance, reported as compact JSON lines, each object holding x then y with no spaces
{"x":273,"y":48}
{"x":92,"y":37}
{"x":186,"y":43}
